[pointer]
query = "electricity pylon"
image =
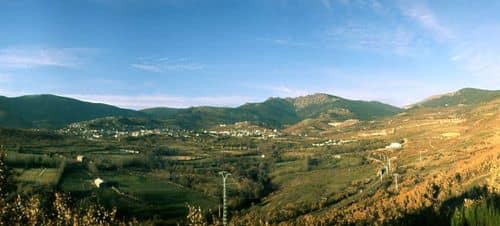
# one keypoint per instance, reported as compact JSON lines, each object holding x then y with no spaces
{"x":224,"y":175}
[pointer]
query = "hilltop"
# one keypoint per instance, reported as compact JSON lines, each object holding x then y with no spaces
{"x":466,"y":96}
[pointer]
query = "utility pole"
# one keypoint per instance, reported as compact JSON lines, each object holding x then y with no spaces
{"x":396,"y":180}
{"x":224,"y":175}
{"x":388,"y":165}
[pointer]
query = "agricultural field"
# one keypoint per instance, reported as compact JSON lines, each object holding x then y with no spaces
{"x":43,"y":176}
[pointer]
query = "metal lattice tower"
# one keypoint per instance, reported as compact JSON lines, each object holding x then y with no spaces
{"x":396,"y":180}
{"x":224,"y":175}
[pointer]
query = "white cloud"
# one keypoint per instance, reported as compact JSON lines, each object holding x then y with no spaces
{"x":147,"y":67}
{"x":387,"y":38}
{"x":31,"y":57}
{"x":395,"y":92}
{"x":428,"y":20}
{"x":473,"y":46}
{"x":291,"y":42}
{"x":279,"y":90}
{"x":285,"y":91}
{"x":165,"y":64}
{"x":148,"y":101}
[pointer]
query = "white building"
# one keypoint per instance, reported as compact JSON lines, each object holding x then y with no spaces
{"x":394,"y":146}
{"x":98,"y":182}
{"x":80,"y":158}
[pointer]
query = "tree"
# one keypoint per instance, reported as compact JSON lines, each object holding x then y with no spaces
{"x":307,"y":163}
{"x":6,"y":187}
{"x":6,"y":181}
{"x":277,"y":155}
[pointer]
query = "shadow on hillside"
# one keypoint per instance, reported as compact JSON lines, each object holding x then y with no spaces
{"x":444,"y":215}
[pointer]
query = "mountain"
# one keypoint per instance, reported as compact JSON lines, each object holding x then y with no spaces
{"x":273,"y":112}
{"x":466,"y":96}
{"x":50,"y":111}
{"x":276,"y":112}
{"x":162,"y":113}
{"x":339,"y":108}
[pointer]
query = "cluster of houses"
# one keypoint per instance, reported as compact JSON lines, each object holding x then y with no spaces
{"x":243,"y":129}
{"x":239,"y":129}
{"x":243,"y":133}
{"x":82,"y":131}
{"x":332,"y":143}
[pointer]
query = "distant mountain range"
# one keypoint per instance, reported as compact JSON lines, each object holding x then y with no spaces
{"x":49,"y":111}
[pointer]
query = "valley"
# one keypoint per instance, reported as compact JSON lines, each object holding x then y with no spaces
{"x":314,"y":160}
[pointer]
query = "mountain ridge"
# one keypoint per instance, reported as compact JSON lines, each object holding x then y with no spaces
{"x":51,"y":111}
{"x":278,"y":112}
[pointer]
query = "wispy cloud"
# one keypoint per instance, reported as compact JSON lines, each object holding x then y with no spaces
{"x":279,"y":90}
{"x":31,"y":57}
{"x":421,"y":14}
{"x":326,"y":3}
{"x":480,"y":59}
{"x":4,"y":77}
{"x":148,"y":101}
{"x":387,"y":39}
{"x":470,"y":49}
{"x":166,"y":64}
{"x":290,"y":42}
{"x":372,"y":4}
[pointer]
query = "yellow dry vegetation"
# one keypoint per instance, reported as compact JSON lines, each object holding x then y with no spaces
{"x":450,"y":134}
{"x":431,"y":169}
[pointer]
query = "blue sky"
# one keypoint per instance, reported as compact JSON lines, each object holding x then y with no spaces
{"x":179,"y":53}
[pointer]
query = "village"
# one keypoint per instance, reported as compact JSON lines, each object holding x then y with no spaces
{"x":239,"y":129}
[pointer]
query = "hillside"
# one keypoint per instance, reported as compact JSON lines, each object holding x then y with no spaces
{"x":276,"y":112}
{"x":50,"y":111}
{"x":466,"y":96}
{"x":449,"y":158}
{"x":119,"y":123}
